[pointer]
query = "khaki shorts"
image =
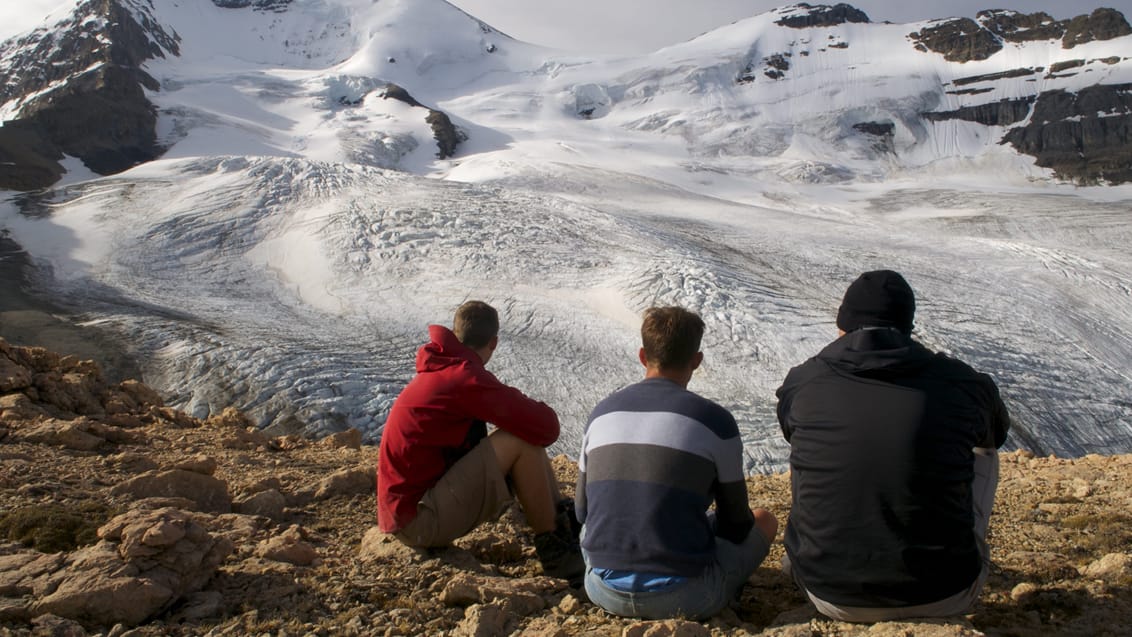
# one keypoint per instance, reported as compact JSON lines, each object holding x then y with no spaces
{"x":472,"y":492}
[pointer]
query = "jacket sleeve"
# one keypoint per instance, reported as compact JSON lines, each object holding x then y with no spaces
{"x":785,"y":393}
{"x":733,"y":517}
{"x":1000,"y":418}
{"x":511,"y":410}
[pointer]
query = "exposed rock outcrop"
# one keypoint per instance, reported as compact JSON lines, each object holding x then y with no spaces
{"x":1001,"y":113}
{"x":965,"y":40}
{"x":1101,"y":24}
{"x":78,"y":90}
{"x":804,"y":16}
{"x":259,"y":5}
{"x":447,"y":135}
{"x":1013,"y":26}
{"x":958,"y":40}
{"x":145,"y":561}
{"x":1084,"y":137}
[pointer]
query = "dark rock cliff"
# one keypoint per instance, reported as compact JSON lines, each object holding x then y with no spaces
{"x":958,"y":40}
{"x":1000,"y":113}
{"x":261,"y":5}
{"x":1021,"y":27}
{"x":821,"y":16}
{"x":965,"y":40}
{"x":447,"y":135}
{"x":1084,"y":136}
{"x":87,"y":93}
{"x":1102,"y":24}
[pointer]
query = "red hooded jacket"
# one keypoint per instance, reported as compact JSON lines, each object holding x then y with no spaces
{"x":439,"y":417}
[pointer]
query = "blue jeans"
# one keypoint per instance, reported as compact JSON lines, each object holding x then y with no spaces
{"x":698,"y":597}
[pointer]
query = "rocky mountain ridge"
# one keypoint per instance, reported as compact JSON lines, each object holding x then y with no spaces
{"x":121,"y":517}
{"x":82,"y":88}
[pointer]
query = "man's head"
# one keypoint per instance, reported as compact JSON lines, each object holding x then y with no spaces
{"x":881,"y":298}
{"x":477,"y":326}
{"x":670,"y":341}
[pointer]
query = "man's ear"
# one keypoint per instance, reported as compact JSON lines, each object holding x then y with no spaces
{"x":697,"y":360}
{"x":644,"y":359}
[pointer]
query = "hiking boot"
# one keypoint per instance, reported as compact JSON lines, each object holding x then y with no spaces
{"x":567,"y":517}
{"x":560,"y":555}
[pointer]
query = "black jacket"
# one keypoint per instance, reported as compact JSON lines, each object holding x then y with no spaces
{"x":881,"y":432}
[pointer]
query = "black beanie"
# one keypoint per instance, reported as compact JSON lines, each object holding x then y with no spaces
{"x":881,"y":298}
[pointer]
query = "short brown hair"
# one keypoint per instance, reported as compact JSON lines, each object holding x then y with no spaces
{"x":671,"y":336}
{"x":476,"y":323}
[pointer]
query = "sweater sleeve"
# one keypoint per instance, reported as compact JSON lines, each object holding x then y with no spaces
{"x":733,"y":516}
{"x":511,"y":410}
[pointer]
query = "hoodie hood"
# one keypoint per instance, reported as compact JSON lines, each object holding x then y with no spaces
{"x":875,"y":349}
{"x":444,"y":350}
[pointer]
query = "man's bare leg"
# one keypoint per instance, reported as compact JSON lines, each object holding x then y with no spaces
{"x":531,"y":474}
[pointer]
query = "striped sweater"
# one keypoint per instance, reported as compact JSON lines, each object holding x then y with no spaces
{"x":654,"y":457}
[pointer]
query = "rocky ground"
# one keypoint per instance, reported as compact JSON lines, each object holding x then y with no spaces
{"x":122,"y":517}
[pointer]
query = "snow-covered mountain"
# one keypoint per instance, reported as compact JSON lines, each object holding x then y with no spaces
{"x":308,"y":183}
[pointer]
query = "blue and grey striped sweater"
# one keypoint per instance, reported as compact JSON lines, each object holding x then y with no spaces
{"x":654,"y":458}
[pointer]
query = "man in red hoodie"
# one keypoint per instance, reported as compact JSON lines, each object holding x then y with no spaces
{"x":440,"y":474}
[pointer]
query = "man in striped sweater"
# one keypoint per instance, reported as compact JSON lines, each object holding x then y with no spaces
{"x":655,"y":456}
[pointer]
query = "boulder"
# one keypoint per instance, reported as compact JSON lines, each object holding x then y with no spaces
{"x":269,"y":504}
{"x":200,"y":463}
{"x":13,"y":376}
{"x":519,"y":596}
{"x":377,"y":545}
{"x":209,"y":493}
{"x":349,"y":439}
{"x":145,"y":561}
{"x":666,"y":628}
{"x":348,"y":481}
{"x":482,"y":620}
{"x":70,"y":434}
{"x":1114,"y":567}
{"x":290,"y":547}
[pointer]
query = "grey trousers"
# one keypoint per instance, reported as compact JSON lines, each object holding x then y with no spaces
{"x":983,"y":489}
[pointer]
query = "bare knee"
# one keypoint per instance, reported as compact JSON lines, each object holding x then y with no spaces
{"x":766,"y":523}
{"x":509,"y":448}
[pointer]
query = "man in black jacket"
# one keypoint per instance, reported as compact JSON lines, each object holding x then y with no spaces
{"x":893,"y":465}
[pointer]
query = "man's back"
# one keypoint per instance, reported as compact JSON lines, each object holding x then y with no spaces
{"x":441,"y":415}
{"x":882,"y":433}
{"x":655,"y":456}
